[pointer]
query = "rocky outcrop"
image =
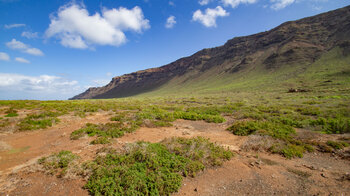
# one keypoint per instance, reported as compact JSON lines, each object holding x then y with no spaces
{"x":297,"y":42}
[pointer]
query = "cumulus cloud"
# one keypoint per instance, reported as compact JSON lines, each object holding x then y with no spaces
{"x":280,"y":4}
{"x":235,"y":3}
{"x":21,"y":60}
{"x":29,"y":35}
{"x":4,"y":56}
{"x":170,"y":22}
{"x":35,"y":86}
{"x":76,"y":28}
{"x":10,"y":26}
{"x":208,"y":18}
{"x":17,"y":45}
{"x":204,"y":2}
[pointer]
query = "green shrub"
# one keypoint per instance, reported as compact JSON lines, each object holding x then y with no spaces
{"x":58,"y":162}
{"x":311,"y":111}
{"x":146,"y":169}
{"x":289,"y":150}
{"x":108,"y":130}
{"x":101,"y":140}
{"x":338,"y":125}
{"x":198,"y":149}
{"x":150,"y":169}
{"x":11,"y":115}
{"x":337,"y":145}
{"x":38,"y":121}
{"x":244,"y":128}
{"x":273,"y":129}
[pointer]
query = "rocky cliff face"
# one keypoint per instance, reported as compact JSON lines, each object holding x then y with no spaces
{"x":302,"y":41}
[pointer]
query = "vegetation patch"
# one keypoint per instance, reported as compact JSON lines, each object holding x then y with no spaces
{"x":105,"y":131}
{"x":11,"y":113}
{"x":152,"y":168}
{"x":273,"y":129}
{"x":337,"y":145}
{"x":59,"y":163}
{"x":38,"y":121}
{"x":338,"y":125}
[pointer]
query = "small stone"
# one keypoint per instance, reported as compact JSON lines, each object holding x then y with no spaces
{"x":195,"y":190}
{"x":323,"y":175}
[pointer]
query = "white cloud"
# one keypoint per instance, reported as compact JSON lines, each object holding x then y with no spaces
{"x":29,"y":35}
{"x":170,"y":22}
{"x":4,"y":56}
{"x":42,"y":87}
{"x":171,"y":3}
{"x":235,"y":3}
{"x":76,"y":28}
{"x":101,"y":82}
{"x":280,"y":4}
{"x":109,"y":74}
{"x":17,"y":45}
{"x":10,"y":26}
{"x":208,"y":19}
{"x":204,"y":2}
{"x":21,"y":60}
{"x":34,"y":51}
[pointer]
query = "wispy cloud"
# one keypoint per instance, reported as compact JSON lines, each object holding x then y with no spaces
{"x":10,"y":26}
{"x":21,"y":60}
{"x":76,"y":28}
{"x":4,"y":56}
{"x":170,"y":22}
{"x":235,"y":3}
{"x":280,"y":4}
{"x":17,"y":45}
{"x":29,"y":35}
{"x":208,"y":18}
{"x":204,"y":2}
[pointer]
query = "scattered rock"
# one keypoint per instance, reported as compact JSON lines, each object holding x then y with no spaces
{"x":186,"y":133}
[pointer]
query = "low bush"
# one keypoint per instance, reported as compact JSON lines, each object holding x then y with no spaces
{"x":108,"y":130}
{"x":38,"y":121}
{"x":152,"y":168}
{"x":288,"y":150}
{"x":337,"y":145}
{"x":198,"y":149}
{"x":273,"y":129}
{"x":58,"y":163}
{"x":101,"y":140}
{"x":11,"y":113}
{"x":244,"y":128}
{"x":338,"y":125}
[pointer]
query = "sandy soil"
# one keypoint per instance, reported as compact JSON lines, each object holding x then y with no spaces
{"x":246,"y":174}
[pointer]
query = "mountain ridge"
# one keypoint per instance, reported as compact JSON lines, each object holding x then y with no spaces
{"x":299,"y":42}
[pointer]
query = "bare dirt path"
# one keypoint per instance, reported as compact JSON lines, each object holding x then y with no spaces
{"x":25,"y":146}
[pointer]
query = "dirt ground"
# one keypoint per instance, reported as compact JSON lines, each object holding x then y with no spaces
{"x":248,"y":173}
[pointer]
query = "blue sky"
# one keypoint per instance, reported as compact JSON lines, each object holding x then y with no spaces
{"x":56,"y":49}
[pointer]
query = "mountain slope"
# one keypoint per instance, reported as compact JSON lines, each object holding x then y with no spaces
{"x":253,"y":62}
